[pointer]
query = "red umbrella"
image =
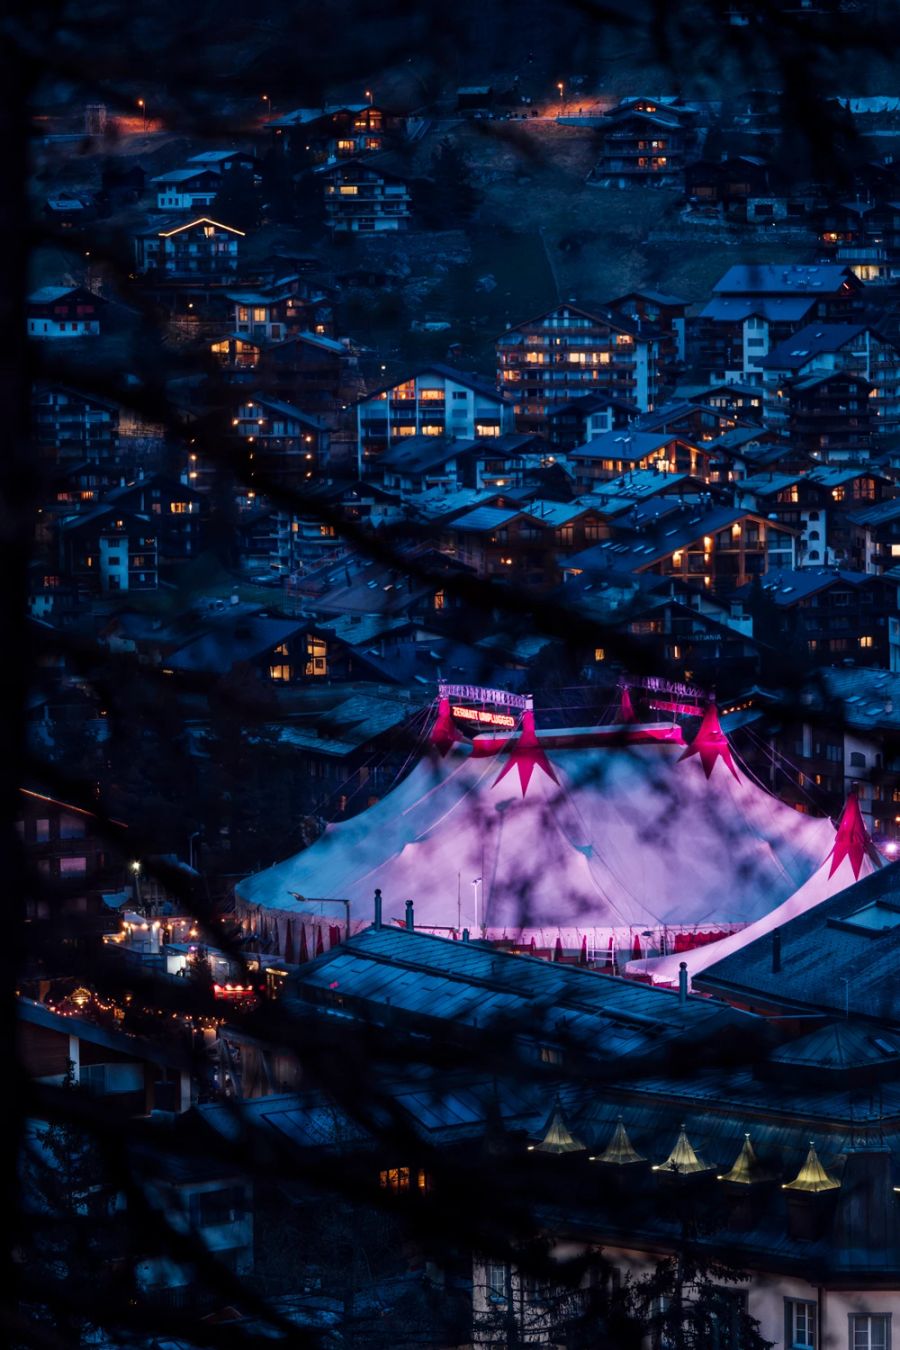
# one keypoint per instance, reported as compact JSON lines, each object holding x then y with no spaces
{"x":289,"y":944}
{"x":558,"y":950}
{"x":304,"y":950}
{"x":636,"y":952}
{"x":583,"y":957}
{"x":320,"y":945}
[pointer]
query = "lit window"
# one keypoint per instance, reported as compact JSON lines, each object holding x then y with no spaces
{"x":72,"y":867}
{"x":599,"y":653}
{"x":280,"y":672}
{"x":395,"y":1179}
{"x":867,"y":641}
{"x":349,"y":190}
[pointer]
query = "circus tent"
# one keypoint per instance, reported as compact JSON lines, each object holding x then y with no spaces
{"x":852,"y":856}
{"x":578,"y":834}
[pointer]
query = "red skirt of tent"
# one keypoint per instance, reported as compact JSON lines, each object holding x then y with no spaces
{"x":289,"y":943}
{"x":583,"y":957}
{"x":320,"y":945}
{"x":334,"y":935}
{"x":558,"y":950}
{"x":304,"y":950}
{"x":610,"y":964}
{"x":636,"y":952}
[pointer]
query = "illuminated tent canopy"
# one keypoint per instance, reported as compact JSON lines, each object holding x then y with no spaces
{"x":568,"y":832}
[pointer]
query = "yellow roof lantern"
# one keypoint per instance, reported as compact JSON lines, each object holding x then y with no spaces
{"x":812,"y":1176}
{"x":682,"y":1159}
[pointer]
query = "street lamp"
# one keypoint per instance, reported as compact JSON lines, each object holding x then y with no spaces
{"x":136,"y":879}
{"x":143,"y":107}
{"x":476,"y":882}
{"x":268,"y":102}
{"x":561,"y":87}
{"x":369,"y":96}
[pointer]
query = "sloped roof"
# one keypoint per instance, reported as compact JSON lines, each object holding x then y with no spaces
{"x":813,"y":340}
{"x":784,"y":279}
{"x":828,"y":961}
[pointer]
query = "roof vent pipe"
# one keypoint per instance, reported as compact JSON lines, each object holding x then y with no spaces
{"x":410,"y":917}
{"x":377,"y":908}
{"x":682,"y":982}
{"x":776,"y":951}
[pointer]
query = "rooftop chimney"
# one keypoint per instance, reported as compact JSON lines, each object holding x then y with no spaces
{"x":410,"y":917}
{"x":377,"y":908}
{"x":682,"y":982}
{"x":776,"y":950}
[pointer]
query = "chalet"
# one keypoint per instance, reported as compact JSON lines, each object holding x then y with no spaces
{"x":875,"y":537}
{"x":757,"y":306}
{"x":832,"y":416}
{"x":178,"y":510}
{"x":362,"y":196}
{"x":70,"y":859}
{"x":864,"y":235}
{"x":282,"y":309}
{"x":742,"y":401}
{"x":586,"y":416}
{"x":275,"y":651}
{"x":109,"y":550}
{"x":223,"y":161}
{"x":617,"y":452}
{"x":281,"y":442}
{"x":315,"y":370}
{"x":656,"y":312}
{"x":695,"y":421}
{"x":645,"y":140}
{"x":187,"y":189}
{"x":823,"y":348}
{"x":70,"y":427}
{"x":201,"y":247}
{"x":69,"y":211}
{"x":826,"y":615}
{"x":817,"y":503}
{"x":337,"y":131}
{"x":719,"y":547}
{"x":435,"y":401}
{"x":728,"y":184}
{"x":748,"y":450}
{"x":55,"y":312}
{"x":523,"y":545}
{"x":566,"y":352}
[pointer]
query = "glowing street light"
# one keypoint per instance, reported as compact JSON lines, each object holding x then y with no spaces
{"x":561,"y":87}
{"x":369,"y":96}
{"x":476,"y":882}
{"x":268,"y":102}
{"x":143,"y":107}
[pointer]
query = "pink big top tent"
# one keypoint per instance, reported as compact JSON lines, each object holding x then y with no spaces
{"x":852,"y":856}
{"x":567,"y":834}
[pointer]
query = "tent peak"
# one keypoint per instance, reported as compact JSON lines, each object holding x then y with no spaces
{"x":710,"y":743}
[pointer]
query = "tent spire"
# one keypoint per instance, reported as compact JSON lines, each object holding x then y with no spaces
{"x":682,"y":1159}
{"x":619,"y":1150}
{"x":710,"y":743}
{"x":853,"y":840}
{"x":812,"y":1176}
{"x":626,"y":707}
{"x":526,"y":754}
{"x":444,"y":734}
